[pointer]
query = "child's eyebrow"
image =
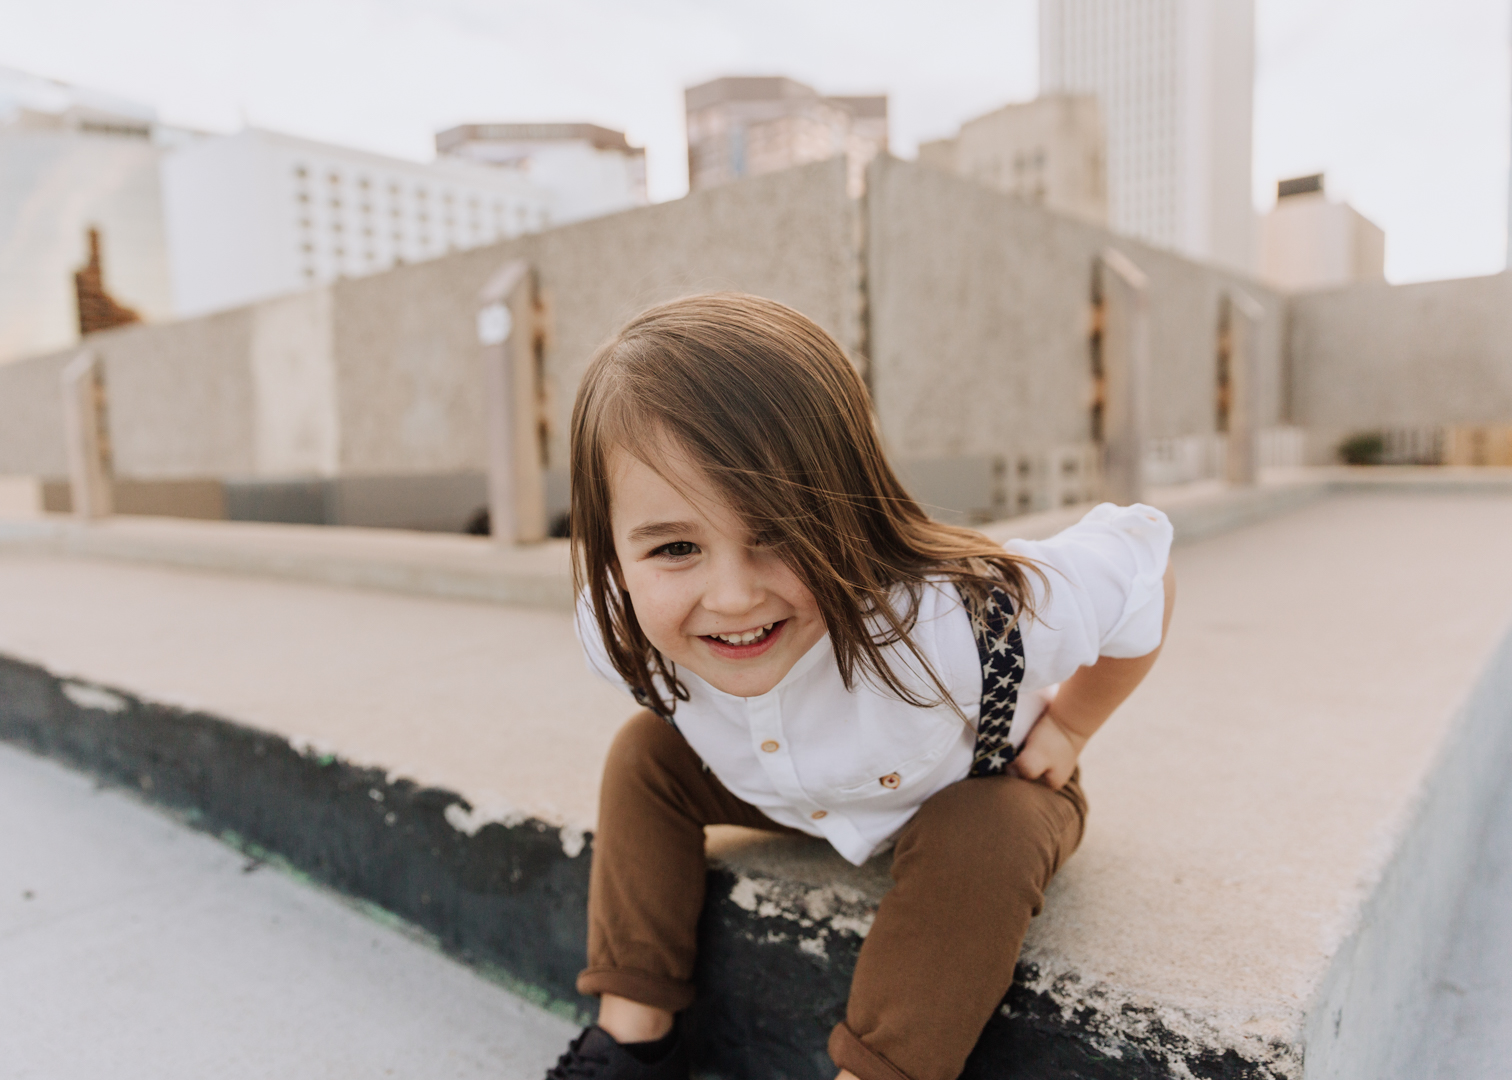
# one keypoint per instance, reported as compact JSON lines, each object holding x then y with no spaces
{"x":655,"y":530}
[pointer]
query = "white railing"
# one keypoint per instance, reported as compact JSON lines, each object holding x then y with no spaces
{"x":1186,"y":458}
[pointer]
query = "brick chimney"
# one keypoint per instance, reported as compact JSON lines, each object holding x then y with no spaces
{"x":98,"y":310}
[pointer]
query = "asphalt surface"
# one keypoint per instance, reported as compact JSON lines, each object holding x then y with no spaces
{"x":133,"y":946}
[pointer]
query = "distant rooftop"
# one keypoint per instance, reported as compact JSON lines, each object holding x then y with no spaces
{"x":776,"y":88}
{"x":601,"y":138}
{"x":1300,"y":185}
{"x":24,"y":95}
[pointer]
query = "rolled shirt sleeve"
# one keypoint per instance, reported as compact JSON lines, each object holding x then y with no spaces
{"x":1104,"y":594}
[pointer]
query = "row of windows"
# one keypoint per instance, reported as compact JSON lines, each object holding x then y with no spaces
{"x":419,"y":222}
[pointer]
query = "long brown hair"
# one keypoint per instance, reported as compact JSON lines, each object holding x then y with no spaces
{"x":766,"y":403}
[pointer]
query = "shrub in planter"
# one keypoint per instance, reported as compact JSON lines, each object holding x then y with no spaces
{"x":1366,"y":448}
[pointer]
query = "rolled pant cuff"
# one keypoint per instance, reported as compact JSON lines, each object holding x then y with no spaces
{"x":657,"y":991}
{"x":849,"y":1052}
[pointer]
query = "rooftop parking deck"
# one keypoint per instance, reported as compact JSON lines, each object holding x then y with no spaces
{"x":1281,"y":815}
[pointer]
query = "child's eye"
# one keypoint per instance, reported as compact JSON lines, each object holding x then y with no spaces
{"x":678,"y":549}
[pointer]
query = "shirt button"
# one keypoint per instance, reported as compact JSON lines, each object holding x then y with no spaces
{"x":817,"y":814}
{"x":770,"y":746}
{"x":891,"y":780}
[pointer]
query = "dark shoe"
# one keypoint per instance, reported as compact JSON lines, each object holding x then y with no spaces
{"x":594,"y":1055}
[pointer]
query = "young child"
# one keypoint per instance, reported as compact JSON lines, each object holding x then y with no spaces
{"x":815,"y":655}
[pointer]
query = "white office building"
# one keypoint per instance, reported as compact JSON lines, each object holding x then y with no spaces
{"x":257,"y":214}
{"x":1175,"y":79}
{"x":589,"y":170}
{"x":72,"y":159}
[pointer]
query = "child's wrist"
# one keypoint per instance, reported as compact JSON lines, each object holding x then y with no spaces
{"x":1074,"y":737}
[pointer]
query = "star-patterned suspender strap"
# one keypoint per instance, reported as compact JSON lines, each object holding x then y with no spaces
{"x":1001,"y":650}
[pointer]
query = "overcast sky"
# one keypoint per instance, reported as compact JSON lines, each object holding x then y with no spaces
{"x":1406,"y":104}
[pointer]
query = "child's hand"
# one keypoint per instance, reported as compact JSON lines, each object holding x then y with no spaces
{"x":1049,"y":754}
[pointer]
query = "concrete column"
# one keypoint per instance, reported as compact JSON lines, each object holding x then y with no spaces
{"x":1242,"y":315}
{"x":86,"y":436}
{"x":1123,"y":295}
{"x":507,"y":334}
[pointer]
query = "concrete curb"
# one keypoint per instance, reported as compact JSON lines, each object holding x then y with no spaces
{"x":422,"y":564}
{"x":778,"y":940}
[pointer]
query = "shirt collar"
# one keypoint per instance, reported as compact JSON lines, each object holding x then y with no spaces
{"x":818,"y":653}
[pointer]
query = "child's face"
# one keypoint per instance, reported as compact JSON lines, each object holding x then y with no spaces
{"x":697,"y":579}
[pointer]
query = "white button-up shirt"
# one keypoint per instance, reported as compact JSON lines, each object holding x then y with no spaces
{"x":854,"y":765}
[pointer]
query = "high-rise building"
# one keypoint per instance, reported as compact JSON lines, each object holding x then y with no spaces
{"x":589,"y":170}
{"x":72,"y":160}
{"x":1175,"y":79}
{"x":1048,"y":152}
{"x":1309,"y":242}
{"x":256,"y":214}
{"x":747,"y":126}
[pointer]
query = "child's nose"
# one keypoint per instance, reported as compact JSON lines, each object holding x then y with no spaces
{"x":734,"y":588}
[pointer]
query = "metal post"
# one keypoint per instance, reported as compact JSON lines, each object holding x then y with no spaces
{"x":1242,"y":457}
{"x":1125,"y":349}
{"x":507,"y":333}
{"x":86,"y":436}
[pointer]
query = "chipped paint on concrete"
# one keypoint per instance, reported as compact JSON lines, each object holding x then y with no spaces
{"x":1114,"y":1021}
{"x":844,"y":908}
{"x":93,"y":697}
{"x":573,"y":840}
{"x":471,"y":819}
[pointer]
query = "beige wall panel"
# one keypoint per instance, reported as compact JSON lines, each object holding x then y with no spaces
{"x":180,"y":396}
{"x":1372,"y":355}
{"x":296,"y":431}
{"x":406,"y":347}
{"x":31,"y":416}
{"x":980,"y":311}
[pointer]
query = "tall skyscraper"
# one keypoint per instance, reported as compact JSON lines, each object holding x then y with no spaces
{"x":1175,"y":79}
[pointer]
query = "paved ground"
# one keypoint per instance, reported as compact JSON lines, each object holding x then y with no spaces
{"x":131,"y":946}
{"x":1470,"y":1027}
{"x":1304,"y":661}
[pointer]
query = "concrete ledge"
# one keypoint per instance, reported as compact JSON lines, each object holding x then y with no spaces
{"x":539,"y":576}
{"x":426,"y":564}
{"x":1280,"y":817}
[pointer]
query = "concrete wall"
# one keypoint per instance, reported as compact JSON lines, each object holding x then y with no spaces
{"x":981,"y":309}
{"x":978,"y":338}
{"x":407,"y":357}
{"x":380,"y":376}
{"x":1372,"y":356}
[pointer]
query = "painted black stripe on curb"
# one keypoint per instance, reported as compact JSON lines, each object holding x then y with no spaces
{"x":512,"y":902}
{"x":505,"y":897}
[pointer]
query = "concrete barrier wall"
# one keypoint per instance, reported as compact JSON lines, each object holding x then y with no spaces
{"x":31,"y":416}
{"x":179,"y":401}
{"x":1373,"y":356}
{"x":978,"y":337}
{"x":406,"y":346}
{"x":981,"y":308}
{"x":380,"y":376}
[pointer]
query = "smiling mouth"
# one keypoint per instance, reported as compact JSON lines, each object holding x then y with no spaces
{"x":745,"y":641}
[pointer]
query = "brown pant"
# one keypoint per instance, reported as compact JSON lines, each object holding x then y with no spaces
{"x":971,"y":869}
